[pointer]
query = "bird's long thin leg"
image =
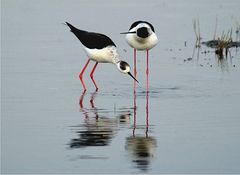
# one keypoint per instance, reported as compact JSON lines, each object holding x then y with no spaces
{"x":147,"y":71}
{"x":135,"y":68}
{"x":81,"y":74}
{"x":91,"y":75}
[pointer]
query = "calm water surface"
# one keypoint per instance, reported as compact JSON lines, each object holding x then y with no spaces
{"x":189,"y":121}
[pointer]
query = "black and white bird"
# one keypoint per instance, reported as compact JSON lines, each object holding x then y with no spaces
{"x":141,"y":36}
{"x":101,"y":49}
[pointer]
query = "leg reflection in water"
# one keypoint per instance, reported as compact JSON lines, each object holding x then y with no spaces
{"x":81,"y":105}
{"x":141,"y":148}
{"x":94,"y":131}
{"x":99,"y":125}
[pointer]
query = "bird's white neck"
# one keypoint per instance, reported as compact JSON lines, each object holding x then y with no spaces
{"x":114,"y":54}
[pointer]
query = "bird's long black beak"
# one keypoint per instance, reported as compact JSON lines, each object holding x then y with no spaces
{"x":132,"y":76}
{"x":127,"y":32}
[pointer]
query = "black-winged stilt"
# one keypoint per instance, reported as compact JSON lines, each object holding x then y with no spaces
{"x":101,"y":49}
{"x":141,"y":36}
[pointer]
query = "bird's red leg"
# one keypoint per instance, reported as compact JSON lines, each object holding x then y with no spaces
{"x":91,"y":75}
{"x":147,"y":71}
{"x":135,"y":68}
{"x":81,"y":74}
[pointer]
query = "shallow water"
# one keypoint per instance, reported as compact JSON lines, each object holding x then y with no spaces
{"x":188,"y":122}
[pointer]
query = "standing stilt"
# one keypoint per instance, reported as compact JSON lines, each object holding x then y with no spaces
{"x":141,"y":36}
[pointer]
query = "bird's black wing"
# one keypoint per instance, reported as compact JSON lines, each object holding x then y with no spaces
{"x":91,"y":40}
{"x":97,"y":41}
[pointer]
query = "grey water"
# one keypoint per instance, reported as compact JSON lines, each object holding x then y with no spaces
{"x":189,"y":121}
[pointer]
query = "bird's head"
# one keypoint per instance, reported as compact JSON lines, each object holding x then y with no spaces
{"x":142,"y":29}
{"x":125,"y":68}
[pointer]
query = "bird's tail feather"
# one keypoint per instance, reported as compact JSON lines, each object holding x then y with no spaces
{"x":71,"y":27}
{"x":77,"y":32}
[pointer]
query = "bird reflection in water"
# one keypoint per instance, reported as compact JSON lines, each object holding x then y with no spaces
{"x":100,"y":129}
{"x":141,"y":148}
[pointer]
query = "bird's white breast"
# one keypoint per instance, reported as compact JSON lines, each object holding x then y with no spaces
{"x":142,"y":43}
{"x":106,"y":55}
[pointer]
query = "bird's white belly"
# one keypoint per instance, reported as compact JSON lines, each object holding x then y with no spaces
{"x":142,"y":44}
{"x":104,"y":55}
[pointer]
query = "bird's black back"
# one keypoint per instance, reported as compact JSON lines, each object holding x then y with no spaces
{"x":91,"y":40}
{"x":138,"y":22}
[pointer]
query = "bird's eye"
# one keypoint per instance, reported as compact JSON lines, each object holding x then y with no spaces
{"x":123,"y":65}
